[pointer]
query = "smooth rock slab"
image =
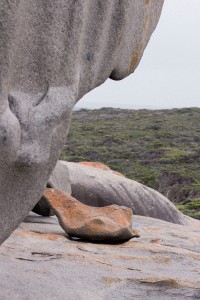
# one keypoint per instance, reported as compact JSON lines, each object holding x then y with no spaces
{"x":103,"y":224}
{"x":39,"y":261}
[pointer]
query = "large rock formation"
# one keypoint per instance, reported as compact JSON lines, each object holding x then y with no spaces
{"x":110,"y":224}
{"x":51,"y":54}
{"x":164,"y":263}
{"x":98,"y":187}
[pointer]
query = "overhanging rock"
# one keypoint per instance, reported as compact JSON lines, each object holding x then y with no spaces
{"x":51,"y":54}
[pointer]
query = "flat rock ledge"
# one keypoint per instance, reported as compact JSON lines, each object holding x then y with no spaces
{"x":110,"y":224}
{"x":39,"y":261}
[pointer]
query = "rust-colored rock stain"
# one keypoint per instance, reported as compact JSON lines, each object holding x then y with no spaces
{"x":118,"y":173}
{"x":135,"y":58}
{"x":46,"y":236}
{"x":111,"y":222}
{"x":100,"y":166}
{"x":96,"y":165}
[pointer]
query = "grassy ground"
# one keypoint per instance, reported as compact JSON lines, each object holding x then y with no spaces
{"x":160,"y":148}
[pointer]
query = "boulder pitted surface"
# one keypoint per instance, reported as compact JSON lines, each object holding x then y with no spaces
{"x":51,"y":54}
{"x":163,"y":264}
{"x":109,"y":224}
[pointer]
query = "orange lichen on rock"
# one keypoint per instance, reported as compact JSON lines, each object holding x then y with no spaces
{"x":100,"y":166}
{"x":111,"y":223}
{"x":46,"y":236}
{"x":118,"y":173}
{"x":96,"y":165}
{"x":135,"y":58}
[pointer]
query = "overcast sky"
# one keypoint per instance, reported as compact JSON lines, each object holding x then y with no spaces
{"x":169,"y":72}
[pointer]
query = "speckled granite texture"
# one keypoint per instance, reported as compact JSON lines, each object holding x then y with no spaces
{"x":51,"y":54}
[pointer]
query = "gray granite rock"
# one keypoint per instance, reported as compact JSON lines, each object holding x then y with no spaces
{"x":39,"y":261}
{"x":60,"y":180}
{"x":51,"y":54}
{"x":97,"y":187}
{"x":100,"y":186}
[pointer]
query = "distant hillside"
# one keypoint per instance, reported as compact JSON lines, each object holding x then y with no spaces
{"x":159,"y":148}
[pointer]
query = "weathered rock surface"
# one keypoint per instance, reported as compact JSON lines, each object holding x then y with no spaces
{"x":100,"y":166}
{"x":60,"y":180}
{"x":52,"y":54}
{"x":97,"y":187}
{"x":109,"y":224}
{"x":96,"y":165}
{"x":39,"y":261}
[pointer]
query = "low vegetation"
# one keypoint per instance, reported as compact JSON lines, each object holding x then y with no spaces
{"x":159,"y":148}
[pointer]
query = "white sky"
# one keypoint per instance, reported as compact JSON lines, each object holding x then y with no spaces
{"x":169,"y":72}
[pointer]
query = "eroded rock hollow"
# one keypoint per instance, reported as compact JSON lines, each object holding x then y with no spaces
{"x":51,"y":54}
